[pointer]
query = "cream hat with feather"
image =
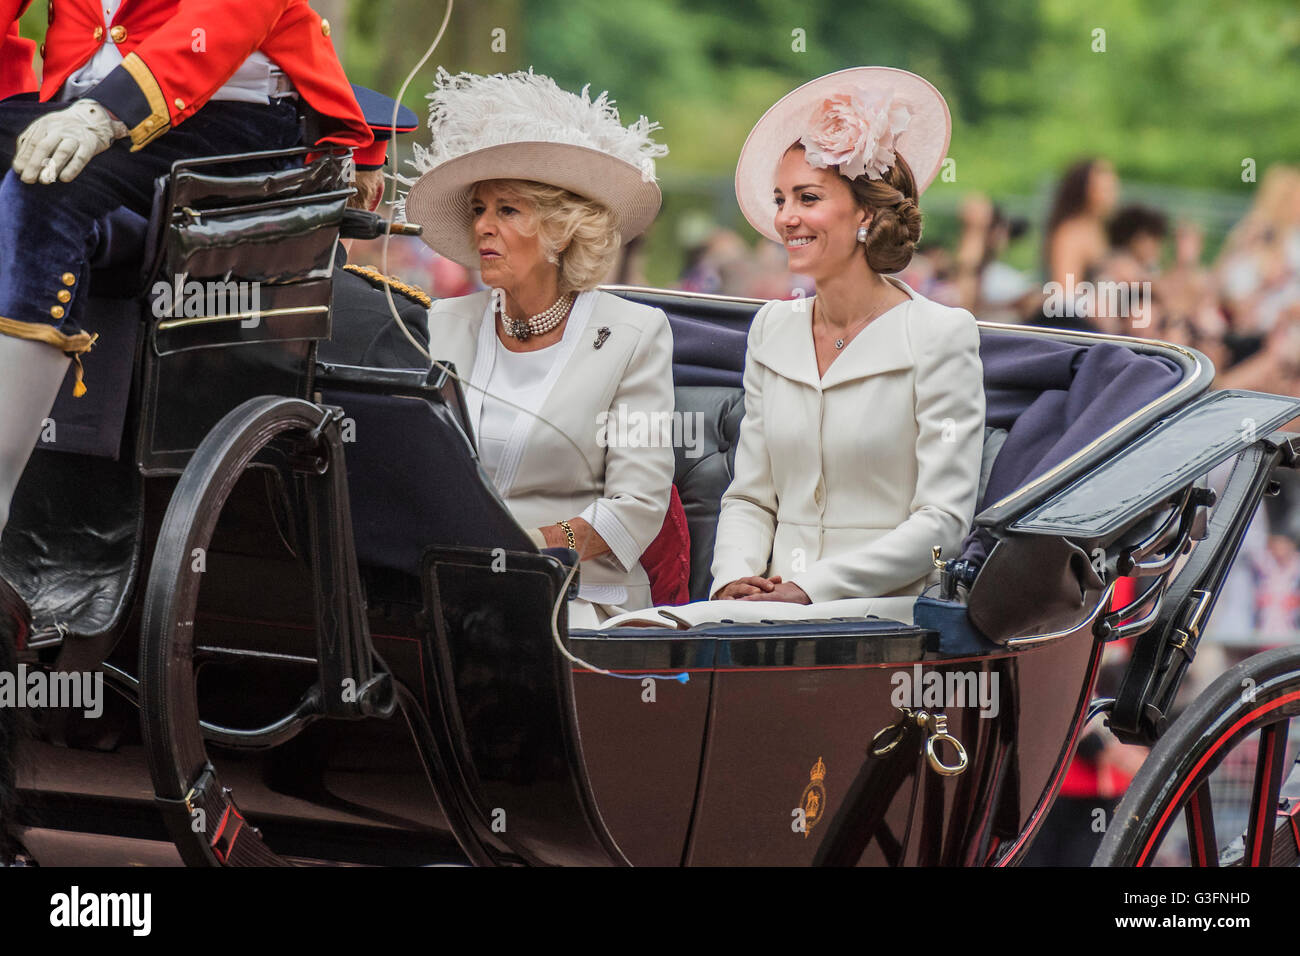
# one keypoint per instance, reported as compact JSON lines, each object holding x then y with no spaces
{"x":523,"y":126}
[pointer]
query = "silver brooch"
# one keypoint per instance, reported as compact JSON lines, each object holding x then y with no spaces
{"x":601,"y":335}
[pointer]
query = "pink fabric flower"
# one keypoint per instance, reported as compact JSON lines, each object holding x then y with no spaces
{"x":855,"y":133}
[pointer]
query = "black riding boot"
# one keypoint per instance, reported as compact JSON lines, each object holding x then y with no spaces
{"x":15,"y":622}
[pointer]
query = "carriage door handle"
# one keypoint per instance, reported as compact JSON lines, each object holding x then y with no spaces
{"x":892,"y":734}
{"x":936,"y":732}
{"x":935,"y":728}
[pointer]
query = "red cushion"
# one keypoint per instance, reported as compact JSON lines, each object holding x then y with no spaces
{"x":667,"y":561}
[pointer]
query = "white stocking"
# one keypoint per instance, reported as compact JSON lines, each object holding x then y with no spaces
{"x":30,"y":376}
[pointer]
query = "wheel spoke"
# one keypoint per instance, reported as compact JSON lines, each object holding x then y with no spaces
{"x":1270,"y":765}
{"x":1215,"y":738}
{"x":1199,"y":815}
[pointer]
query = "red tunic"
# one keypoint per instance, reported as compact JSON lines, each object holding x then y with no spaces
{"x":16,"y":74}
{"x":177,"y":53}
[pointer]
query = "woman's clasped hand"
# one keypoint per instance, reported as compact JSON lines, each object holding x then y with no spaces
{"x":759,"y":588}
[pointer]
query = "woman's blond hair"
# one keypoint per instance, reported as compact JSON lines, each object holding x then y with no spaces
{"x":578,"y":235}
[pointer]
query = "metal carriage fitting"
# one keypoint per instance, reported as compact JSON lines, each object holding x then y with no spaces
{"x":934,"y":729}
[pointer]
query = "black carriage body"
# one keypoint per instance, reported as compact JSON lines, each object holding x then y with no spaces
{"x":775,"y":743}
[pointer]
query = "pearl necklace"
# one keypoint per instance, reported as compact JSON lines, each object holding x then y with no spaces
{"x":539,"y":324}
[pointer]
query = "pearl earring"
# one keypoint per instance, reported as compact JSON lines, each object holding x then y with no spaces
{"x":862,"y":233}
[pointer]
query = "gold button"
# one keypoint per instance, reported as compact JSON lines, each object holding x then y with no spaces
{"x":64,"y":295}
{"x":118,"y":33}
{"x":180,"y":103}
{"x":324,"y":26}
{"x":57,"y":311}
{"x":69,"y":279}
{"x":42,"y":51}
{"x":99,"y":33}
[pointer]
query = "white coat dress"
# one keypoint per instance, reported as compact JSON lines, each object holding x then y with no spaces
{"x":844,"y":483}
{"x":612,"y":366}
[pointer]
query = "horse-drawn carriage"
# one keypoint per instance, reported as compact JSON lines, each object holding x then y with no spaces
{"x":328,"y":639}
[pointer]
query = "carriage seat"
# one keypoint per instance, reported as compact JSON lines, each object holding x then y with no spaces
{"x":126,"y":246}
{"x":708,"y":365}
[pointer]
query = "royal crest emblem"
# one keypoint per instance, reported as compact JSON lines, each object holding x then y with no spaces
{"x":813,"y":800}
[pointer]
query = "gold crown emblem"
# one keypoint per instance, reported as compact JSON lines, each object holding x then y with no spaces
{"x":818,"y":771}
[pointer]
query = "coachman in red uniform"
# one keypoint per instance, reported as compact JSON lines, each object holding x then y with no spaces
{"x":129,"y":87}
{"x":176,"y":53}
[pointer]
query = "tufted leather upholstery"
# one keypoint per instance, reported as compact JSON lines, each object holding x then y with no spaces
{"x":994,"y":439}
{"x":702,"y":479}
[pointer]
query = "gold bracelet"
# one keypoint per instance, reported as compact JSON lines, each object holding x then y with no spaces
{"x":568,"y":533}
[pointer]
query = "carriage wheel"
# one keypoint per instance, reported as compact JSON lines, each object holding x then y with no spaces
{"x":205,"y":823}
{"x":1244,"y":716}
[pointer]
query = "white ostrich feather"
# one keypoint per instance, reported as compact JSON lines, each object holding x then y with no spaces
{"x":468,"y":112}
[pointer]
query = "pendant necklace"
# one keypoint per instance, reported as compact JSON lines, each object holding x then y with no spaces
{"x":840,"y":342}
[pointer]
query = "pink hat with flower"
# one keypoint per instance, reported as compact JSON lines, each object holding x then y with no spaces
{"x":857,"y":119}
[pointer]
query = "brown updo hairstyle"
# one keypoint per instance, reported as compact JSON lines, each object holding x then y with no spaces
{"x":896,"y":217}
{"x":896,"y":221}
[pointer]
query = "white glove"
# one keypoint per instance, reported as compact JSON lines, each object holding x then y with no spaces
{"x":59,"y":145}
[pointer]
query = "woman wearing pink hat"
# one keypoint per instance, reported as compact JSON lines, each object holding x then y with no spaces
{"x":864,"y":403}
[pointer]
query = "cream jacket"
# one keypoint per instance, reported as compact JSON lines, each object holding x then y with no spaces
{"x":844,"y":483}
{"x":619,"y":475}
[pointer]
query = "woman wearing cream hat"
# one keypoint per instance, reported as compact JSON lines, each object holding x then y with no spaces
{"x":864,"y":404}
{"x":539,"y":189}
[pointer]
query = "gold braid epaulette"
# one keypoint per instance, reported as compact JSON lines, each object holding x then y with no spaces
{"x":377,"y":278}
